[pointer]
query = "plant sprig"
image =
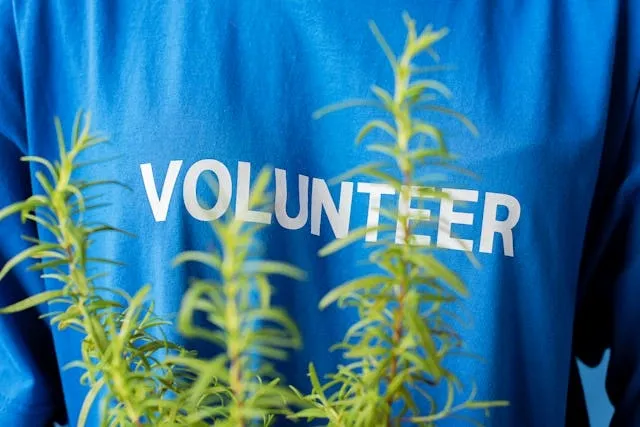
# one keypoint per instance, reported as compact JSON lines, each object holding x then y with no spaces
{"x":138,"y":376}
{"x":242,"y":322}
{"x":395,"y":353}
{"x":122,"y":347}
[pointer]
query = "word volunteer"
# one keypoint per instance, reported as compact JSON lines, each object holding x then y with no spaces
{"x":338,"y":213}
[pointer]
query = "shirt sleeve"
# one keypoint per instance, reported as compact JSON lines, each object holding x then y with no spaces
{"x":30,"y":391}
{"x":608,"y":315}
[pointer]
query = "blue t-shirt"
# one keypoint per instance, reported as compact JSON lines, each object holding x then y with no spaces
{"x":230,"y":86}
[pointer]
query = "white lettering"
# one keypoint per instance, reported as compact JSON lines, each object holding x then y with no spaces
{"x":281,"y":201}
{"x":189,"y":190}
{"x":242,"y":197}
{"x":375,"y":192}
{"x":491,"y":225}
{"x":160,"y":205}
{"x":338,"y":211}
{"x":448,"y":217}
{"x":405,"y":210}
{"x":321,"y":199}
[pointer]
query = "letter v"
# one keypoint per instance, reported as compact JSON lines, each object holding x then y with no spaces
{"x":160,"y":205}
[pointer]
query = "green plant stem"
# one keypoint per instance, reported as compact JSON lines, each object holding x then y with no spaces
{"x":233,"y":323}
{"x":403,"y":126}
{"x":132,"y":379}
{"x":398,"y":318}
{"x":78,"y":274}
{"x":235,"y":363}
{"x":396,"y":348}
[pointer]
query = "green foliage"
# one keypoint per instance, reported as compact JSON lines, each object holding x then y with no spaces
{"x":129,"y":366}
{"x":122,"y":356}
{"x":234,"y":389}
{"x":395,"y":354}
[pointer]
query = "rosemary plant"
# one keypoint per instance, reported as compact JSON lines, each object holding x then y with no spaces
{"x":122,"y":356}
{"x":239,"y":387}
{"x":396,"y":351}
{"x":141,"y":377}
